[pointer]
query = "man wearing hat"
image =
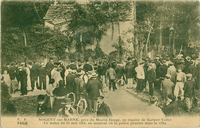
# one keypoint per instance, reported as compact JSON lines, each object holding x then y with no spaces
{"x":172,"y":71}
{"x":129,"y":71}
{"x":193,"y":70}
{"x":140,"y":76}
{"x":12,"y":74}
{"x":23,"y":79}
{"x":158,"y":64}
{"x":103,"y":110}
{"x":151,"y":76}
{"x":70,"y":85}
{"x":93,"y":87}
{"x":49,"y":66}
{"x":166,"y":87}
{"x":171,"y":109}
{"x":42,"y":109}
{"x":163,"y":69}
{"x":59,"y":92}
{"x":180,"y":80}
{"x":73,"y":65}
{"x":87,"y":67}
{"x":189,"y":89}
{"x":34,"y":75}
{"x":79,"y":84}
{"x":42,"y":76}
{"x":111,"y":75}
{"x":67,"y":110}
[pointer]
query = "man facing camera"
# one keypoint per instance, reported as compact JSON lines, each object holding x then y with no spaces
{"x":68,"y":110}
{"x":103,"y":110}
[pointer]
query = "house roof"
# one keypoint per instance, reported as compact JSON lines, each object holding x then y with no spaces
{"x":59,"y":11}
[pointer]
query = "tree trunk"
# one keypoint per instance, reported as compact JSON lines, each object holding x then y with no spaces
{"x":174,"y":43}
{"x":141,"y":51}
{"x":120,"y":43}
{"x":112,"y":30}
{"x":136,"y":49}
{"x":160,"y":44}
{"x":134,"y":39}
{"x":148,"y":38}
{"x":25,"y":43}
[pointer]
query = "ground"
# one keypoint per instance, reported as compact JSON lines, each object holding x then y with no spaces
{"x":121,"y":102}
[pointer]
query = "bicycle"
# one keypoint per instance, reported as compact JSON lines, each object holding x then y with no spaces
{"x":81,"y":105}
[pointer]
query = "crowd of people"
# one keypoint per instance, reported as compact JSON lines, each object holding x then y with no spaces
{"x":177,"y":79}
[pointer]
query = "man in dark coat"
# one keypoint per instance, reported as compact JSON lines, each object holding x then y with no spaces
{"x":93,"y":90}
{"x":189,"y":88}
{"x":104,"y":69}
{"x":60,"y":92}
{"x":151,"y":76}
{"x":111,"y":75}
{"x":171,"y":109}
{"x":70,"y":84}
{"x":62,"y":73}
{"x":158,"y":64}
{"x":166,"y":87}
{"x":79,"y":85}
{"x":103,"y":110}
{"x":42,"y":76}
{"x":49,"y":67}
{"x":129,"y":70}
{"x":42,"y":108}
{"x":23,"y":80}
{"x":163,"y":69}
{"x":119,"y":71}
{"x":12,"y":74}
{"x":192,"y":69}
{"x":34,"y":75}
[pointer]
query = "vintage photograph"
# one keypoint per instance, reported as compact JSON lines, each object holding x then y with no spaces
{"x":130,"y":63}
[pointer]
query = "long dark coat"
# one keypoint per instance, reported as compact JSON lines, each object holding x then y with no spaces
{"x":23,"y":79}
{"x":93,"y":87}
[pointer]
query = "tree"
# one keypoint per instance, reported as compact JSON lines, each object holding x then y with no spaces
{"x":119,"y":11}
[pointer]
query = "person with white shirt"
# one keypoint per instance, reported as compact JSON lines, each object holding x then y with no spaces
{"x":140,"y":77}
{"x":55,"y":74}
{"x":180,"y":80}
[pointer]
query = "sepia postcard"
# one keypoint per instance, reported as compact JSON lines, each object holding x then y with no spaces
{"x":100,"y":63}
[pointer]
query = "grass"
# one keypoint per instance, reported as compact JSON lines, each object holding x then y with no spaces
{"x":26,"y":106}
